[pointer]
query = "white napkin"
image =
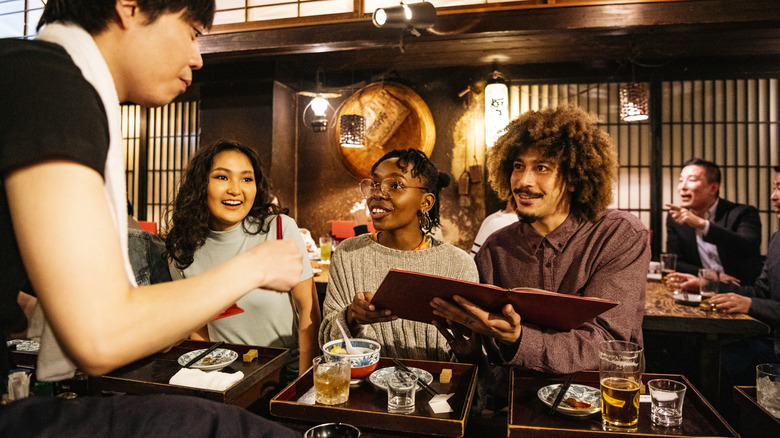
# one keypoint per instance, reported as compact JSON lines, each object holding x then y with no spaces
{"x":215,"y":380}
{"x":439,"y":403}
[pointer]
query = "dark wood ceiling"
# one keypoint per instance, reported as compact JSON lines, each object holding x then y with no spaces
{"x":733,"y":34}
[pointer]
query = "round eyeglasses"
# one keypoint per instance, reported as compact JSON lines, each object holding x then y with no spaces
{"x":389,"y":187}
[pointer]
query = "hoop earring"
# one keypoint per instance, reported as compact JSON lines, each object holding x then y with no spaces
{"x":425,"y":221}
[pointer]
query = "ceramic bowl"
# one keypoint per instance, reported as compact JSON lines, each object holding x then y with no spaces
{"x":333,"y":430}
{"x":362,"y":364}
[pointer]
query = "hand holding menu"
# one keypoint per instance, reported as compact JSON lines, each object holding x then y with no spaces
{"x":408,"y":295}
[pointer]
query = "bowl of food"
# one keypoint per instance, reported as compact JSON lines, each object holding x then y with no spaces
{"x":364,"y":363}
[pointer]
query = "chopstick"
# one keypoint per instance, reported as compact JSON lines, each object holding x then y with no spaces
{"x":564,"y":387}
{"x":203,"y":354}
{"x":425,"y":386}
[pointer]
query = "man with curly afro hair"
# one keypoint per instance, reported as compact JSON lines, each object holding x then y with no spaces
{"x":559,"y":167}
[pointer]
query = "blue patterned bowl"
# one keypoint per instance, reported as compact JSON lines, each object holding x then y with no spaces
{"x":362,"y":364}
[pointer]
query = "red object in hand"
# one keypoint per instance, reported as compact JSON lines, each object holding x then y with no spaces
{"x":230,"y":311}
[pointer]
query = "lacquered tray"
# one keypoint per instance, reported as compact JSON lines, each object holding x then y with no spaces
{"x":151,"y":375}
{"x":529,"y":418}
{"x":367,"y":405}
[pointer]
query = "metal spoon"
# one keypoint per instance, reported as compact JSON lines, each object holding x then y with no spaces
{"x":347,"y":344}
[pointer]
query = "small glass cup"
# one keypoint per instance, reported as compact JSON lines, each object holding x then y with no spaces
{"x":331,"y":379}
{"x":326,"y":248}
{"x":709,"y":280}
{"x":668,"y":263}
{"x":768,"y":387}
{"x":401,"y":388}
{"x":620,"y":376}
{"x":666,"y":402}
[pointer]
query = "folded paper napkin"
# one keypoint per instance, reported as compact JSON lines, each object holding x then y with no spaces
{"x":215,"y":380}
{"x":439,"y":403}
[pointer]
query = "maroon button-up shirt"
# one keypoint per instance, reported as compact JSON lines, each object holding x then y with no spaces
{"x":606,"y":259}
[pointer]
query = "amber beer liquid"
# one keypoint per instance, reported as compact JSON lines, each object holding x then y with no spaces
{"x":664,"y":274}
{"x":619,"y":401}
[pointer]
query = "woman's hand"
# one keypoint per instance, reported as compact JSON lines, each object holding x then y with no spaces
{"x":466,"y":344}
{"x":361,"y":311}
{"x":505,"y":326}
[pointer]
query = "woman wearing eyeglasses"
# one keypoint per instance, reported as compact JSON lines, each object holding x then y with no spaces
{"x":403,"y":200}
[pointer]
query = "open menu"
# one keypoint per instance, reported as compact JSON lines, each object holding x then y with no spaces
{"x":408,"y":295}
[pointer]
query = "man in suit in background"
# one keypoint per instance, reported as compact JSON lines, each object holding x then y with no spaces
{"x":706,"y":231}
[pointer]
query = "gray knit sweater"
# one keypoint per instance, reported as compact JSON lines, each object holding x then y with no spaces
{"x":359,"y":265}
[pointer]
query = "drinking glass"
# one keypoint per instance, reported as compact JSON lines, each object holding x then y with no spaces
{"x":326,"y":248}
{"x":709,"y":280}
{"x":331,"y":379}
{"x":401,"y":388}
{"x":666,"y":402}
{"x":768,"y":387}
{"x":668,"y":265}
{"x":620,"y":376}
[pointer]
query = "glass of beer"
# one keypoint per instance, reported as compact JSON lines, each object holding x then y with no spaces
{"x":331,"y":379}
{"x":708,"y":285}
{"x":668,"y":265}
{"x":326,"y":248}
{"x":620,"y":374}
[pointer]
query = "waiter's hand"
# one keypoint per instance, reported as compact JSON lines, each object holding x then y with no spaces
{"x":686,"y":217}
{"x":731,"y":303}
{"x":505,"y":326}
{"x":361,"y":311}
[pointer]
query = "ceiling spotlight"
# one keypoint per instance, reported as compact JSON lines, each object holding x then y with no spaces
{"x":416,"y":16}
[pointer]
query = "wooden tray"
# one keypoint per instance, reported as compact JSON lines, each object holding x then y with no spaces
{"x":528,"y":416}
{"x":367,"y":406}
{"x":151,"y":375}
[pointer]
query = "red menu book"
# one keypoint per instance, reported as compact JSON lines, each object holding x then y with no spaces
{"x":408,"y":295}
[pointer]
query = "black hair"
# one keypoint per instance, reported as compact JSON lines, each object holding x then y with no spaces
{"x":94,"y":15}
{"x":776,"y":168}
{"x":711,"y":170}
{"x":190,"y":213}
{"x":422,"y":167}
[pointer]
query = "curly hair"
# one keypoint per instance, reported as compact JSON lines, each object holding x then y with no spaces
{"x":190,"y":212}
{"x":422,"y":167}
{"x":569,"y":136}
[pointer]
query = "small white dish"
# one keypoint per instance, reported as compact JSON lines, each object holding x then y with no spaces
{"x":689,"y":299}
{"x":24,"y":344}
{"x":582,"y":393}
{"x":216,"y":360}
{"x":654,"y":277}
{"x":377,"y":378}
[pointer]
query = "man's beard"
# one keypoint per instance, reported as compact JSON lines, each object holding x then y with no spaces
{"x":527,"y":218}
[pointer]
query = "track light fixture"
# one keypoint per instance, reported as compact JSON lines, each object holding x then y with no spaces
{"x":414,"y":15}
